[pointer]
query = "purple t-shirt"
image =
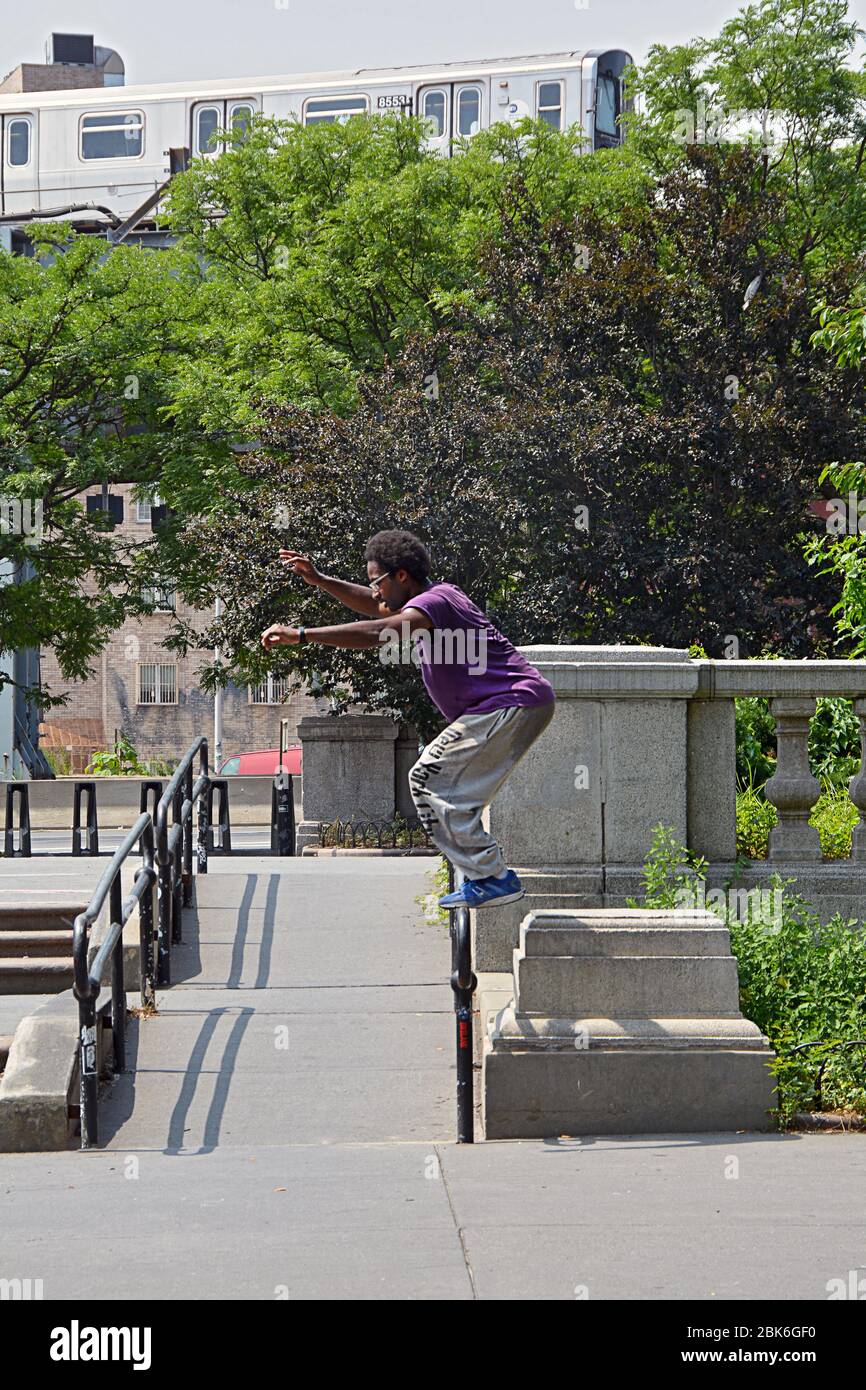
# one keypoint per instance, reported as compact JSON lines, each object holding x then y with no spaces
{"x":468,"y":667}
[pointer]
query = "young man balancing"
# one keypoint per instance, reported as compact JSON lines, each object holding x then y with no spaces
{"x":496,"y":704}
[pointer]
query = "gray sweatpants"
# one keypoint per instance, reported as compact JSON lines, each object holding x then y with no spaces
{"x":460,"y":772}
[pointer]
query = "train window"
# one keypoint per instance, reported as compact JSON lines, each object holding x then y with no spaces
{"x":18,"y":152}
{"x":336,"y":108}
{"x":468,"y":111}
{"x":434,"y":112}
{"x":119,"y":135}
{"x":207,"y":122}
{"x":607,"y":105}
{"x":550,"y":103}
{"x":241,"y":119}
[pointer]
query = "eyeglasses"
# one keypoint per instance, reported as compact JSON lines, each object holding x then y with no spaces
{"x":374,"y":583}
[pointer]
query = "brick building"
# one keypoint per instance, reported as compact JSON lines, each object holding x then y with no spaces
{"x":152,"y":695}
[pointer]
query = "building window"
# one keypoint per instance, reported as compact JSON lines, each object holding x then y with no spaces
{"x":468,"y":111}
{"x":434,"y":112}
{"x":241,"y":119}
{"x":550,"y":103}
{"x":119,"y":135}
{"x":331,"y":109}
{"x":157,"y":684}
{"x":19,"y":143}
{"x":273,"y":691}
{"x":207,"y":122}
{"x":144,"y":505}
{"x":162,"y":596}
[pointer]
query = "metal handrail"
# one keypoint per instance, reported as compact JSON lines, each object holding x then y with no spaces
{"x":87,"y":979}
{"x":167,"y":861}
{"x":174,"y":850}
{"x":464,"y":983}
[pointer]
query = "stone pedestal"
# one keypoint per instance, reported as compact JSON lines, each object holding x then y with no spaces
{"x":583,"y":801}
{"x":348,"y":771}
{"x":624,"y":1022}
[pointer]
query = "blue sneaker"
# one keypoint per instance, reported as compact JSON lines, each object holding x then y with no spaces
{"x":480,"y":892}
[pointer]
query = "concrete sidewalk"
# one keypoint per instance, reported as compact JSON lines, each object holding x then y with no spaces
{"x":288,"y":1129}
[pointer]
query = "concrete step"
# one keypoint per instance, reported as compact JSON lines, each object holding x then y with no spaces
{"x":39,"y":916}
{"x":36,"y":943}
{"x":587,"y":940}
{"x":625,"y":1091}
{"x":626,"y":986}
{"x":39,"y":975}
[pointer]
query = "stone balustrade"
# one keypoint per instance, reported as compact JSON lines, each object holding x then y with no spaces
{"x":646,"y":735}
{"x":641,"y":736}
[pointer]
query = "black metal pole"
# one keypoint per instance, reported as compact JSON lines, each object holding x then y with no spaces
{"x":463,"y":983}
{"x":177,"y":868}
{"x":283,"y":812}
{"x":145,"y":939}
{"x":203,"y":815}
{"x":163,"y":941}
{"x":87,"y":1068}
{"x":118,"y":993}
{"x":187,"y":841}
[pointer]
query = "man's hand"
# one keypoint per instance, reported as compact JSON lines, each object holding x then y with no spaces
{"x":277,"y":635}
{"x":300,"y":565}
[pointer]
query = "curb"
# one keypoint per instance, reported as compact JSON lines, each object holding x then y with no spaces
{"x":330,"y":852}
{"x":40,"y":1083}
{"x":821,"y":1120}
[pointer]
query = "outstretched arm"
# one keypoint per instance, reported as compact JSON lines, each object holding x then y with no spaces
{"x":355,"y":596}
{"x":358,"y":635}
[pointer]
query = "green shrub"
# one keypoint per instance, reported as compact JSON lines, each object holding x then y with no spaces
{"x":756,"y":741}
{"x":801,"y":982}
{"x":755,"y":819}
{"x":834,"y":741}
{"x":123,"y":761}
{"x":834,"y":816}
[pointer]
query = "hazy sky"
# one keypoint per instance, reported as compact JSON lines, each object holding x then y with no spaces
{"x":170,"y":40}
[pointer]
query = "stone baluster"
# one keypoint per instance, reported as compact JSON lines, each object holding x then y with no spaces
{"x":857,"y":787}
{"x":792,"y":789}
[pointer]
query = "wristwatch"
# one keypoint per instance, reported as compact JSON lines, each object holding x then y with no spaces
{"x":302,"y":635}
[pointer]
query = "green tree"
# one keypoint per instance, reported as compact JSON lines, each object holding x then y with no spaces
{"x":610,"y":447}
{"x":334,"y":242}
{"x":791,"y":62}
{"x":85,"y":335}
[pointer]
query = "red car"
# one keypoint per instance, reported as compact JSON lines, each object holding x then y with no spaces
{"x":262,"y":764}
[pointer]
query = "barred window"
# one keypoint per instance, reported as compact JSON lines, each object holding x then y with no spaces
{"x":144,"y":504}
{"x":161,"y":595}
{"x":157,"y":684}
{"x":272,"y":691}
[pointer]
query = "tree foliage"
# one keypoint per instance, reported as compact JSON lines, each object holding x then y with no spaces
{"x":604,"y":445}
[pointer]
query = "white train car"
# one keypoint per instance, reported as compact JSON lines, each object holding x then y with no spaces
{"x":104,"y":150}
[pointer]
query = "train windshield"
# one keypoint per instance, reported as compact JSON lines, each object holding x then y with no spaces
{"x":607,"y":105}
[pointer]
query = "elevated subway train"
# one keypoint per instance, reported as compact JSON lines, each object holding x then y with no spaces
{"x":107,"y":147}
